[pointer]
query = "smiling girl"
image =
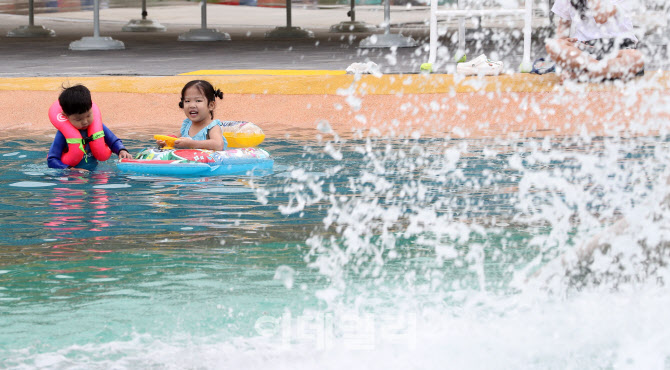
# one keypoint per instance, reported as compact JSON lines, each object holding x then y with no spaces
{"x":199,"y":130}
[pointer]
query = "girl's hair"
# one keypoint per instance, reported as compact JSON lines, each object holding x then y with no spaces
{"x":206,"y":89}
{"x":75,"y":100}
{"x":581,"y":6}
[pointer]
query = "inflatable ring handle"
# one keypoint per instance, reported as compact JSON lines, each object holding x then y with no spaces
{"x":169,"y":140}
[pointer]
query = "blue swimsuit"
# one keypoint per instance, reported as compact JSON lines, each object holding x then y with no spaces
{"x":202,"y":134}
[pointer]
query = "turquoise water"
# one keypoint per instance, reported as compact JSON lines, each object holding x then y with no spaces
{"x":366,"y":252}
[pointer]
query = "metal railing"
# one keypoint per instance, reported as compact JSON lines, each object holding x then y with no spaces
{"x":462,"y":14}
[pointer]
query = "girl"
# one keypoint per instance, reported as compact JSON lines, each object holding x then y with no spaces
{"x":602,"y":44}
{"x":199,"y":130}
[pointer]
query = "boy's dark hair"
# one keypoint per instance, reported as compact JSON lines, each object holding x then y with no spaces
{"x":581,"y":6}
{"x":206,"y":89}
{"x":75,"y":100}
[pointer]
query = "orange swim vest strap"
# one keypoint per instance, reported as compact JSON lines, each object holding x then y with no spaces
{"x":98,"y":146}
{"x":75,"y":143}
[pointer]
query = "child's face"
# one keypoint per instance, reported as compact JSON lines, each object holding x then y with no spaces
{"x":81,"y":120}
{"x":195,"y":105}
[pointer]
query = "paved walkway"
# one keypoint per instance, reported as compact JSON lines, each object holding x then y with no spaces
{"x":160,"y":54}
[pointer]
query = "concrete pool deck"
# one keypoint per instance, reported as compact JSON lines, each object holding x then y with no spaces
{"x":289,"y":87}
{"x":506,"y":106}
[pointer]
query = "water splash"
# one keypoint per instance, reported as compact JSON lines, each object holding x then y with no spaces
{"x":546,"y":237}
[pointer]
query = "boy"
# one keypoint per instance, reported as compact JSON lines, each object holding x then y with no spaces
{"x":77,"y":105}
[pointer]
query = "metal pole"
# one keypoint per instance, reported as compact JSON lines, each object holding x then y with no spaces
{"x":387,"y":39}
{"x":96,"y":42}
{"x":288,"y":13}
{"x":144,"y":9}
{"x":461,"y":29}
{"x":387,"y":17}
{"x":203,"y":13}
{"x":352,"y":12}
{"x":96,"y":18}
{"x":527,"y":28}
{"x":31,"y":13}
{"x":203,"y":33}
{"x":432,"y":55}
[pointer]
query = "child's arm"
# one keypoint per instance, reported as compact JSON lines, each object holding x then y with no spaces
{"x":563,"y":28}
{"x":562,"y":9}
{"x":124,"y":154}
{"x":214,"y":141}
{"x":56,"y":151}
{"x":115,"y":144}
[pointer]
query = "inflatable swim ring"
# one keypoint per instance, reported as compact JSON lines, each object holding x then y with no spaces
{"x":197,"y":162}
{"x":238,"y":134}
{"x":242,"y":134}
{"x":75,"y":143}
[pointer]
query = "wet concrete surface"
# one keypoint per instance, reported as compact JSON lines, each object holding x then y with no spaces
{"x":161,"y":54}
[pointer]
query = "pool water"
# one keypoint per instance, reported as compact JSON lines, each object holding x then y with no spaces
{"x":364,"y":252}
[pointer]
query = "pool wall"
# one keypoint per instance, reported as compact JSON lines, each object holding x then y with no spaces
{"x":439,"y":105}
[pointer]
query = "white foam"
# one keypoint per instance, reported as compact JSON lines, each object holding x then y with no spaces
{"x":594,"y":330}
{"x":32,"y":184}
{"x":225,"y":190}
{"x":112,"y":186}
{"x":101,"y":280}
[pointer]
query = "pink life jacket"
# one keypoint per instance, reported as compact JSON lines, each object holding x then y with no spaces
{"x":75,"y":143}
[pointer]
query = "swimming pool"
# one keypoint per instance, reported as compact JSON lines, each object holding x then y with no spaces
{"x":363,"y":252}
